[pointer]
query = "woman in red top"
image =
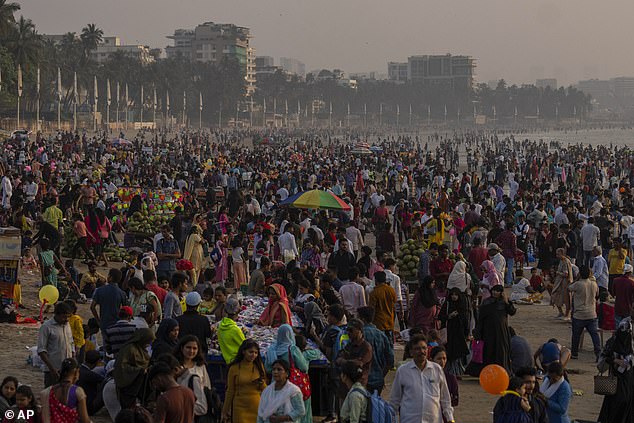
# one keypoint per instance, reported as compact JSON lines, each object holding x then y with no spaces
{"x":441,"y":267}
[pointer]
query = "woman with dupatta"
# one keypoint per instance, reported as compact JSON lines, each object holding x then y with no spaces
{"x":219,"y":256}
{"x":277,"y":312}
{"x":280,"y":350}
{"x":194,"y":252}
{"x":130,"y":367}
{"x":560,"y":295}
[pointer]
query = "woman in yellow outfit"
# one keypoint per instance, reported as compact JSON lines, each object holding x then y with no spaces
{"x":436,"y":228}
{"x":245,"y":382}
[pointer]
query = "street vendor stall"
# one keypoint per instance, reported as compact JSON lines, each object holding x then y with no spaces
{"x":10,"y":254}
{"x":252,"y":308}
{"x":156,"y":210}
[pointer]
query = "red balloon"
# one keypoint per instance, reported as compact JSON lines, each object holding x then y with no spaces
{"x":494,"y":379}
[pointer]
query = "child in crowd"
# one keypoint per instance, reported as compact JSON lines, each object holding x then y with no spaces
{"x":208,"y":303}
{"x":25,"y":409}
{"x":513,"y":406}
{"x":28,"y":261}
{"x":77,"y":329}
{"x":536,"y":281}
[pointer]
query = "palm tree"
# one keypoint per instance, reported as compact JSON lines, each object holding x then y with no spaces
{"x":25,"y":43}
{"x":91,"y":36}
{"x":7,"y":20}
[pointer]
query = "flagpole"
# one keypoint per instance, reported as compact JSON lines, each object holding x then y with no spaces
{"x":37,"y":106}
{"x":75,"y":99}
{"x":251,"y":113}
{"x":398,"y":114}
{"x":95,"y":99}
{"x":410,"y":115}
{"x":59,"y":99}
{"x":299,"y":110}
{"x":118,"y":98}
{"x":220,"y":116}
{"x":19,"y":95}
{"x":108,"y":101}
{"x":184,"y":106}
{"x":330,"y":116}
{"x":200,"y":111}
{"x":365,"y":114}
{"x":127,"y":105}
{"x":154,"y":108}
{"x":142,"y":104}
{"x":237,"y":112}
{"x":380,"y":114}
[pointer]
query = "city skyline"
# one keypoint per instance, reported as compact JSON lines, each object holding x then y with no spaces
{"x":520,"y":43}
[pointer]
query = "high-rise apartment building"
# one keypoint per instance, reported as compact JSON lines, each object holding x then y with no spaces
{"x":293,"y":66}
{"x":455,"y":72}
{"x":397,"y":71}
{"x":211,"y":43}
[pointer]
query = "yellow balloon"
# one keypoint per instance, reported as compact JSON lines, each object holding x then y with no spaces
{"x":49,"y":293}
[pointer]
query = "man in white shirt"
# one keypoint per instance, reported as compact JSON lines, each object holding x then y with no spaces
{"x":7,"y":192}
{"x":419,"y":392}
{"x":356,"y":238}
{"x":288,"y":248}
{"x":395,"y":282}
{"x":590,"y":234}
{"x":283,"y":193}
{"x":600,"y":269}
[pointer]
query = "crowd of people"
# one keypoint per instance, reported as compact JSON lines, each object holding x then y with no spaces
{"x":502,"y":221}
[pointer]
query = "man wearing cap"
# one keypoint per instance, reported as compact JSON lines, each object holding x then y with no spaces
{"x":623,"y":291}
{"x":498,"y":259}
{"x":192,"y":323}
{"x":230,"y":336}
{"x":118,"y":334}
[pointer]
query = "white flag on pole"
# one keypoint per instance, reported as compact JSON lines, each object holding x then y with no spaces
{"x":38,"y":81}
{"x":19,"y":81}
{"x":154,"y":99}
{"x":59,"y":84}
{"x":96,"y":91}
{"x":200,"y":101}
{"x":108,"y":94}
{"x":75,"y":91}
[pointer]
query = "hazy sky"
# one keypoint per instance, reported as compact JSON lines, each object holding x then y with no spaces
{"x":518,"y":40}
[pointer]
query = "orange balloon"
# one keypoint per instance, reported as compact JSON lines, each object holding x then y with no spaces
{"x":494,"y":379}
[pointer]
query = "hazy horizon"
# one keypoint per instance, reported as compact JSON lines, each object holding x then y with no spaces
{"x":518,"y":41}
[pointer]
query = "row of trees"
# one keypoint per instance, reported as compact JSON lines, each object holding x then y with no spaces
{"x":222,"y":85}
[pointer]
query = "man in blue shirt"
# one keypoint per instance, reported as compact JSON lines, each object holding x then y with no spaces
{"x":109,"y":298}
{"x":167,"y":252}
{"x":383,"y":353}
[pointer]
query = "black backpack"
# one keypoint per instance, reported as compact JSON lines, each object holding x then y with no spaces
{"x":214,"y":404}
